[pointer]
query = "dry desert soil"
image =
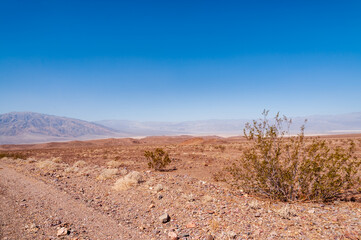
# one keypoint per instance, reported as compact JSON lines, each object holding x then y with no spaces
{"x":103,"y":189}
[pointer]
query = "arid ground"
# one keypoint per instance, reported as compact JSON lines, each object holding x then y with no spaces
{"x":103,"y":189}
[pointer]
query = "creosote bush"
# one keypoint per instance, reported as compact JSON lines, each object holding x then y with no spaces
{"x":292,"y":168}
{"x":158,"y":159}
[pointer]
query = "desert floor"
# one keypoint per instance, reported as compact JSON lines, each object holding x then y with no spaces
{"x":70,"y":191}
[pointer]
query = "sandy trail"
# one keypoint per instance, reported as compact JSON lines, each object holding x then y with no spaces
{"x":25,"y":201}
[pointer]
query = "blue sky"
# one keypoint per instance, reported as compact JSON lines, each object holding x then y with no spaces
{"x":180,"y":60}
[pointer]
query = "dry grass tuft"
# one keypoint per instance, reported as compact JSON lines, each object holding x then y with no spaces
{"x":130,"y":180}
{"x":107,"y":174}
{"x":72,"y":169}
{"x":50,"y":165}
{"x":254,"y":204}
{"x":79,"y":164}
{"x":56,"y":159}
{"x":286,"y":212}
{"x":114,"y":164}
{"x":207,"y":199}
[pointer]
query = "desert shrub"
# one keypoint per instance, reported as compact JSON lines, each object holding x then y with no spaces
{"x":128,"y":181}
{"x":220,"y":147}
{"x":114,"y":164}
{"x":79,"y":164}
{"x":72,"y":169}
{"x":13,"y":155}
{"x":158,"y":159}
{"x":107,"y":174}
{"x":290,"y":168}
{"x":50,"y":166}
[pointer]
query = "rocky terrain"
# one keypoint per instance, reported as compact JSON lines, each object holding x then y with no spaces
{"x":102,"y":189}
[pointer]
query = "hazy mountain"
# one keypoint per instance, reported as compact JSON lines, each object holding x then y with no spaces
{"x":322,"y":124}
{"x":28,"y":127}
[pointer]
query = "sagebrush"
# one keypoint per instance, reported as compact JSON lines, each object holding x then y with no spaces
{"x":292,"y":168}
{"x":157,"y":159}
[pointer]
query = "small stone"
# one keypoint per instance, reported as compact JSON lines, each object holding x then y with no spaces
{"x":209,"y":237}
{"x":258,"y":214}
{"x":62,"y":232}
{"x":151,"y":206}
{"x":160,"y":197}
{"x":191,"y":225}
{"x":172,"y":235}
{"x":164,"y":218}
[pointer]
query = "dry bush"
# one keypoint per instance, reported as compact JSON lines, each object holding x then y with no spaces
{"x":254,"y":204}
{"x":13,"y":155}
{"x":286,"y":212}
{"x":56,"y":159}
{"x":158,"y":159}
{"x":31,"y":160}
{"x":130,"y":180}
{"x":207,"y":199}
{"x":79,"y":164}
{"x":107,"y":174}
{"x":114,"y":164}
{"x":290,"y":168}
{"x":50,"y":166}
{"x":71,"y":169}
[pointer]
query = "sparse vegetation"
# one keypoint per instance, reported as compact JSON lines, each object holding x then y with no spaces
{"x":220,"y":147}
{"x":107,"y":174}
{"x":13,"y":155}
{"x":158,"y":159}
{"x":79,"y":164}
{"x":114,"y":164}
{"x":289,"y":168}
{"x":128,"y":181}
{"x":50,"y":165}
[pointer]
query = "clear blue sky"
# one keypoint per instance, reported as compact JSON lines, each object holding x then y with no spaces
{"x":180,"y":60}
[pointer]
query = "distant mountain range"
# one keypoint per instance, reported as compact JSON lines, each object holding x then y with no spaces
{"x":29,"y":127}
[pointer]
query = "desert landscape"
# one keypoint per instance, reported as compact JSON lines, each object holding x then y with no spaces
{"x":103,"y":189}
{"x":180,"y":120}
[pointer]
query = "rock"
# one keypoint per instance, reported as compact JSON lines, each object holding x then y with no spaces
{"x":62,"y":232}
{"x":160,"y":197}
{"x":172,"y":235}
{"x":258,"y":214}
{"x":209,"y":237}
{"x":191,"y":225}
{"x":151,"y":206}
{"x":164,"y":218}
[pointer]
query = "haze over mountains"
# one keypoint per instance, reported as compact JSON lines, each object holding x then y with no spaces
{"x":28,"y":127}
{"x":317,"y":124}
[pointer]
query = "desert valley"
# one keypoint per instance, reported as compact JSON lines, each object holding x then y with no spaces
{"x":70,"y":190}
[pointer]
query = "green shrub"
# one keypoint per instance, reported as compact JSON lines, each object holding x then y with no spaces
{"x":158,"y":159}
{"x":291,"y":168}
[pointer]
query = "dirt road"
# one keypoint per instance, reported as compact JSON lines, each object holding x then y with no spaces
{"x":29,"y":207}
